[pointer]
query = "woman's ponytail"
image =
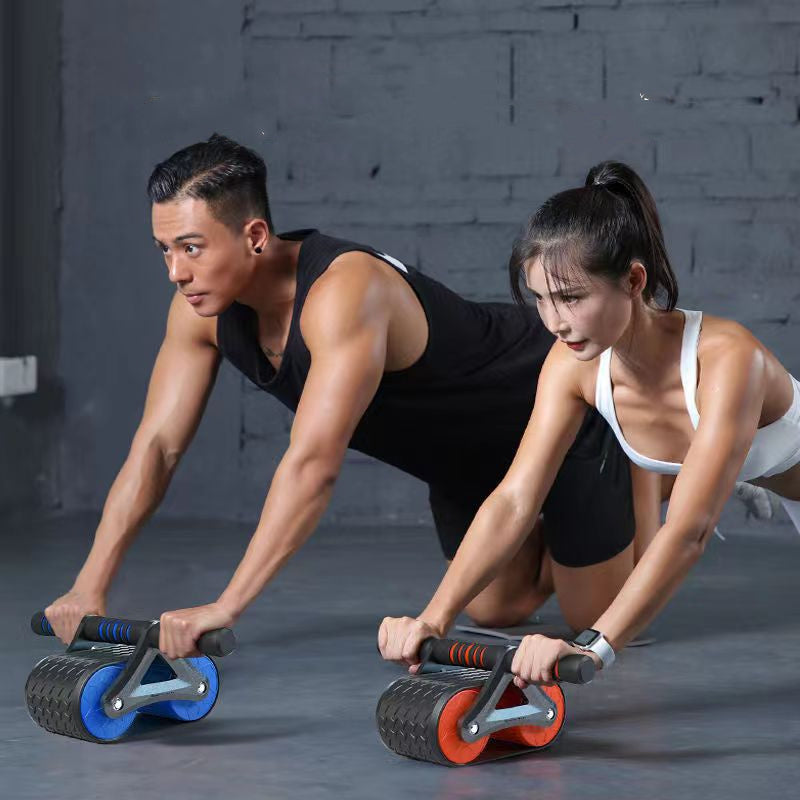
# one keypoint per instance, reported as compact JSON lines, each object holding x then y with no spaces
{"x":601,"y":228}
{"x":621,"y":180}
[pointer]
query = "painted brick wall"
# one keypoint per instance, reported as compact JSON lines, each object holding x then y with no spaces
{"x":431,"y":129}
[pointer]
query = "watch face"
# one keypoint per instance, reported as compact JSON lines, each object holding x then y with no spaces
{"x":585,"y":638}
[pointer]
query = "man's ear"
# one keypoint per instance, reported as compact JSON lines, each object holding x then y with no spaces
{"x":258,"y":235}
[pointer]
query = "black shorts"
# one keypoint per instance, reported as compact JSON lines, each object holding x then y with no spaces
{"x":588,"y":514}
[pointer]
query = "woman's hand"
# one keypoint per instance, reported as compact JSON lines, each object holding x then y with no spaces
{"x":399,"y":639}
{"x":536,"y":657}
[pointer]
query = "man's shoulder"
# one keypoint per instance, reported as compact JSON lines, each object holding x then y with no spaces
{"x":350,"y":278}
{"x":351,"y":292}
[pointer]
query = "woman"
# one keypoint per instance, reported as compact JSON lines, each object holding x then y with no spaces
{"x":686,"y":394}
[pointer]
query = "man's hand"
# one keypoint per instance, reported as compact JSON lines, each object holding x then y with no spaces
{"x":65,"y":613}
{"x":181,"y":629}
{"x":399,"y":639}
{"x":536,"y":657}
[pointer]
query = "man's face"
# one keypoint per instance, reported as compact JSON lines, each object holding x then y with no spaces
{"x":205,"y":259}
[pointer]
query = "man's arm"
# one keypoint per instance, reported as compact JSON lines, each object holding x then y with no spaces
{"x":345,"y":324}
{"x":182,"y":377}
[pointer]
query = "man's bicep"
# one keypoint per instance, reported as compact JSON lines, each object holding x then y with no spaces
{"x":345,"y":325}
{"x":340,"y":386}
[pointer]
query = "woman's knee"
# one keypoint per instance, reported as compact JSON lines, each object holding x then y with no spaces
{"x":584,"y":593}
{"x":581,"y":620}
{"x":498,"y":613}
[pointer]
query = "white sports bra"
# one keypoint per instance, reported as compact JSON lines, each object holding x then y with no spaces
{"x":775,"y":447}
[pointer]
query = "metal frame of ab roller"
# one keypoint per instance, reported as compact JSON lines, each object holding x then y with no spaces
{"x":183,"y":691}
{"x":412,"y":713}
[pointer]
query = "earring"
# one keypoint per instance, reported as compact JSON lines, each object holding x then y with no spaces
{"x":258,"y":250}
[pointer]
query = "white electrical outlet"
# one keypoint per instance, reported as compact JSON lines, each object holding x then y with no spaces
{"x":17,"y":376}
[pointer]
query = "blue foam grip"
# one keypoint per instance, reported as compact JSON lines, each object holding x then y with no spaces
{"x":115,"y":631}
{"x":220,"y":642}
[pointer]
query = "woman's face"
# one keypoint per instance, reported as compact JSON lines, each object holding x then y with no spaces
{"x":589,"y":314}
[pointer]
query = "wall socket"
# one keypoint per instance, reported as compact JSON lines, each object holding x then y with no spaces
{"x":17,"y":376}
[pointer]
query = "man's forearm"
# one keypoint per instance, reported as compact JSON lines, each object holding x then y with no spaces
{"x":299,"y":494}
{"x":135,"y":494}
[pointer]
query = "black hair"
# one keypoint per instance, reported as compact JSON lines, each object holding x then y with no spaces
{"x":600,"y":228}
{"x":231,"y":178}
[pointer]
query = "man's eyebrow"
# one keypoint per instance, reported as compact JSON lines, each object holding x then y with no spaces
{"x":182,"y":237}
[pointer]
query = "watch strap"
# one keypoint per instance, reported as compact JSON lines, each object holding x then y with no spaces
{"x":601,"y":648}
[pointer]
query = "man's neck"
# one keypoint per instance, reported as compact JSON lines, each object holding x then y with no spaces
{"x":274,"y":282}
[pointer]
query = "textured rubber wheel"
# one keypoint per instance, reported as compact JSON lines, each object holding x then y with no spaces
{"x":418,"y":717}
{"x":409,"y":713}
{"x":63,"y":694}
{"x":184,"y":710}
{"x":537,"y":736}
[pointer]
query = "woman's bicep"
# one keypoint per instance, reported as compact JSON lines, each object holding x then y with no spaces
{"x":731,"y":409}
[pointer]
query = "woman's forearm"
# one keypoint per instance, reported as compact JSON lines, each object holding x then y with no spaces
{"x":654,"y":580}
{"x":495,"y":535}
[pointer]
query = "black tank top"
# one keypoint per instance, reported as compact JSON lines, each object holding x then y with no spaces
{"x":455,"y":417}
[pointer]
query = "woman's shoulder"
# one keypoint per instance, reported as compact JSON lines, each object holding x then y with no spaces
{"x":730,"y":360}
{"x":721,"y":335}
{"x":575,"y":376}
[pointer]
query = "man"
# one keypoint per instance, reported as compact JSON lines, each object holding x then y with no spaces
{"x":371,"y":354}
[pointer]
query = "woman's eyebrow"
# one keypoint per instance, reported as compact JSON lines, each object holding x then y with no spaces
{"x":567,"y":290}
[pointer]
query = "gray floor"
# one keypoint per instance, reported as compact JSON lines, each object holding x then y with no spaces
{"x":712,"y":710}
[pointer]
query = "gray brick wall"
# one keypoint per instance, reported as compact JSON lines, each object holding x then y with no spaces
{"x":431,"y":129}
{"x":30,"y":425}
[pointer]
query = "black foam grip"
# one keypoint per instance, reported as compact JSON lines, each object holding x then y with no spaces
{"x":575,"y":669}
{"x":570,"y":669}
{"x":40,"y":625}
{"x":219,"y":642}
{"x":463,"y":654}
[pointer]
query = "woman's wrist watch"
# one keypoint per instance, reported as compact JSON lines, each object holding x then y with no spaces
{"x":593,"y":641}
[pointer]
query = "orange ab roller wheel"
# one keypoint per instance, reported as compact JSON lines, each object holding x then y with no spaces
{"x":466,"y":710}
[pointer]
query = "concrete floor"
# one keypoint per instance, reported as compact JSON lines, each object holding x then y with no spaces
{"x":712,"y":710}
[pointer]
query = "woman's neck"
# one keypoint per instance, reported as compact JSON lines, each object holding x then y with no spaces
{"x":648,"y":344}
